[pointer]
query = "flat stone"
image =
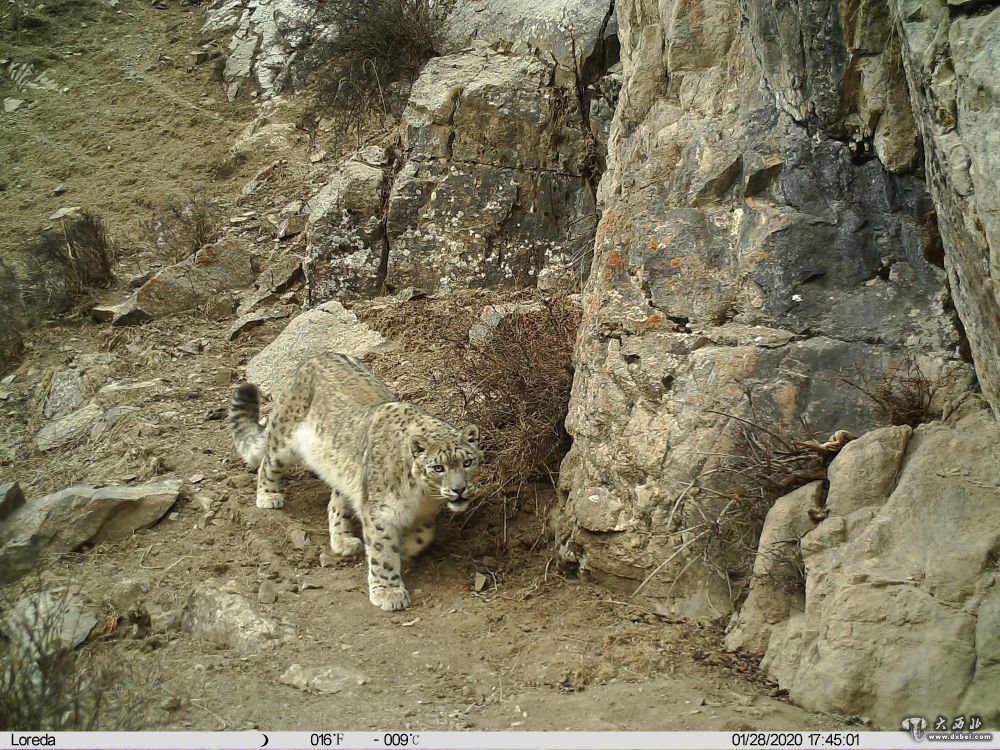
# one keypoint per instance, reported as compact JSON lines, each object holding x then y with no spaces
{"x":66,"y":520}
{"x":69,"y":428}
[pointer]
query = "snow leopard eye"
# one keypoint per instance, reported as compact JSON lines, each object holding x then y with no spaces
{"x":468,"y":462}
{"x":437,"y":469}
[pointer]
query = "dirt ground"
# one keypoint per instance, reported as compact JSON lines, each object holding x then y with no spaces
{"x":532,"y":650}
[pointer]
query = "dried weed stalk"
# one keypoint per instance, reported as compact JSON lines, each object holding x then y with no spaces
{"x":43,"y":686}
{"x":372,"y":54}
{"x":58,"y":265}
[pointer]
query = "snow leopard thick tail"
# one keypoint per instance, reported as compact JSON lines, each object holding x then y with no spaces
{"x":244,"y":416}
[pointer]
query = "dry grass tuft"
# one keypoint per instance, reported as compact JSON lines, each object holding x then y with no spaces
{"x":721,"y":514}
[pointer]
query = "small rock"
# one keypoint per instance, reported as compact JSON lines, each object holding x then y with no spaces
{"x":292,"y":226}
{"x":480,"y":582}
{"x":317,"y":157}
{"x":254,"y":319}
{"x":299,"y":539}
{"x":228,"y":619}
{"x":224,"y":376}
{"x":65,"y":394}
{"x":11,"y":498}
{"x":195,"y":478}
{"x":59,"y":189}
{"x":137,"y":281}
{"x":65,"y":213}
{"x":267,"y":593}
{"x":205,"y":501}
{"x":11,"y":105}
{"x":194,"y":346}
{"x":322,"y":679}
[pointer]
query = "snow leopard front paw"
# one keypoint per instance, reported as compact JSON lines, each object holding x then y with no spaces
{"x":270,"y":499}
{"x":346,"y":545}
{"x":389,"y":599}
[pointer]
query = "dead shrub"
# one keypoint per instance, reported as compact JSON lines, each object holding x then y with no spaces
{"x":182,"y":226}
{"x":904,"y":394}
{"x":513,"y":379}
{"x":59,"y":264}
{"x":373,"y":54}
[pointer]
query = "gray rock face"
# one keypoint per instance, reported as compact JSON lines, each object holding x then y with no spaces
{"x":577,"y":34}
{"x":495,"y":183}
{"x":327,"y":328}
{"x":346,"y":233}
{"x":267,"y":37}
{"x":761,"y":241}
{"x":70,"y":518}
{"x":952,"y":69}
{"x":902,"y":607}
{"x":228,"y":619}
{"x":493,"y":186}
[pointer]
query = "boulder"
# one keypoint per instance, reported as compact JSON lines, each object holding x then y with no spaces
{"x":327,"y":328}
{"x":901,"y":604}
{"x":189,"y":284}
{"x":777,"y":586}
{"x":66,"y":520}
{"x":867,"y":469}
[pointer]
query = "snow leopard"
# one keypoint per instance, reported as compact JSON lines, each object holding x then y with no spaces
{"x":388,"y":463}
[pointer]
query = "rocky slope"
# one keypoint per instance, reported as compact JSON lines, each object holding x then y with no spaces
{"x":785,"y":218}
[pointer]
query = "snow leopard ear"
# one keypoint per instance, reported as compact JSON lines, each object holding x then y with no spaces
{"x":471,"y":434}
{"x":418,"y":445}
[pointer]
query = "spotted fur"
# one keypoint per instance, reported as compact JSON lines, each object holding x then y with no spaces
{"x":388,"y":463}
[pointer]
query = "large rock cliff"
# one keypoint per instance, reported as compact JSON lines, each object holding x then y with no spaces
{"x":798,"y":200}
